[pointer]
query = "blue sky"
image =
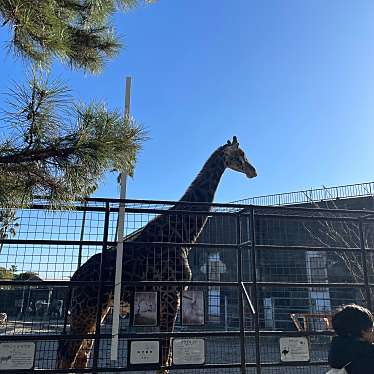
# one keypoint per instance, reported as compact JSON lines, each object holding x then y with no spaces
{"x":292,"y":79}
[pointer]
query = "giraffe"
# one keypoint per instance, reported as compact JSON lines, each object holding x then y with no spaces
{"x":150,"y":263}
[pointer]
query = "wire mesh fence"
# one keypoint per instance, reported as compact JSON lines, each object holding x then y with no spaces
{"x":206,"y":288}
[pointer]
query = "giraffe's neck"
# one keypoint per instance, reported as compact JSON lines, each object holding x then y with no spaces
{"x":204,"y":186}
{"x":186,"y":228}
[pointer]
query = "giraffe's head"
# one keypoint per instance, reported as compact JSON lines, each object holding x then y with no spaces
{"x":235,"y":159}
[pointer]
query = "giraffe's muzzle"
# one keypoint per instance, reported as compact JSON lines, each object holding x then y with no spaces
{"x":250,"y":171}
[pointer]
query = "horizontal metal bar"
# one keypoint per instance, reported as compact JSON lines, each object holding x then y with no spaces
{"x":216,"y":366}
{"x":44,"y":337}
{"x":184,"y":212}
{"x":67,"y":283}
{"x":250,"y":365}
{"x":305,"y":217}
{"x":78,"y":208}
{"x":292,"y":333}
{"x":160,"y":335}
{"x":56,"y":371}
{"x":308,"y":285}
{"x":295,"y":363}
{"x":121,"y":335}
{"x":139,"y":210}
{"x":165,"y":202}
{"x":305,"y":248}
{"x":55,"y":242}
{"x":176,"y":244}
{"x":171,"y":368}
{"x":124,"y":369}
{"x":114,"y":243}
{"x":46,"y":283}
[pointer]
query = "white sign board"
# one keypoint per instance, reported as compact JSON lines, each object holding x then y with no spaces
{"x":188,"y":351}
{"x":145,"y":309}
{"x":17,"y":355}
{"x":192,"y":307}
{"x":144,"y":352}
{"x":294,"y":349}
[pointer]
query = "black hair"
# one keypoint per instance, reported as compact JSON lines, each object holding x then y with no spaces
{"x":352,"y":320}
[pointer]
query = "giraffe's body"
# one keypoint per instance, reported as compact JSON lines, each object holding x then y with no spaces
{"x":149,"y":262}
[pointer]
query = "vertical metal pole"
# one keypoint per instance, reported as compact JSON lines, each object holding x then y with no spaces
{"x":240,"y":294}
{"x":120,"y":234}
{"x":364,"y":266}
{"x":67,"y":307}
{"x":100,"y":290}
{"x":254,"y":288}
{"x":49,"y":299}
{"x":22,"y":309}
{"x":82,"y":235}
{"x":226,"y":316}
{"x":70,"y":290}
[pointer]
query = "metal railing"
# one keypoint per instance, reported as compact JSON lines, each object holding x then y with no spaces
{"x":312,"y":195}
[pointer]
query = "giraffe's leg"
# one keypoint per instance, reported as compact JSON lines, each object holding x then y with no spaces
{"x":85,"y":348}
{"x":75,"y":353}
{"x":169,"y":307}
{"x":82,"y":355}
{"x":66,"y":353}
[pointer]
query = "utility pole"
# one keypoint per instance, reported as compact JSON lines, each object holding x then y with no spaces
{"x":120,"y":234}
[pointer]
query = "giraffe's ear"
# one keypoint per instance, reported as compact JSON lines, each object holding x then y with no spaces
{"x":228,"y":142}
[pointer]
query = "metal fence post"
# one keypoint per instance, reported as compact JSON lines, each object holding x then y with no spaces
{"x":364,"y":265}
{"x":70,"y":290}
{"x":82,"y":234}
{"x":100,"y":290}
{"x":254,"y":289}
{"x":67,"y":307}
{"x":240,"y":294}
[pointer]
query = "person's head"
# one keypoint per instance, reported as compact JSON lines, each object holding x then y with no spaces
{"x":353,"y":321}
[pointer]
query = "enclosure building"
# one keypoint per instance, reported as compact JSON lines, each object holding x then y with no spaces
{"x":282,"y":265}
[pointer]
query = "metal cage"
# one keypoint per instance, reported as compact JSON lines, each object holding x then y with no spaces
{"x":258,"y":274}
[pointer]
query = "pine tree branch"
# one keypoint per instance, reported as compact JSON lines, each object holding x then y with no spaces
{"x":28,"y":155}
{"x":61,"y":160}
{"x":77,"y":32}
